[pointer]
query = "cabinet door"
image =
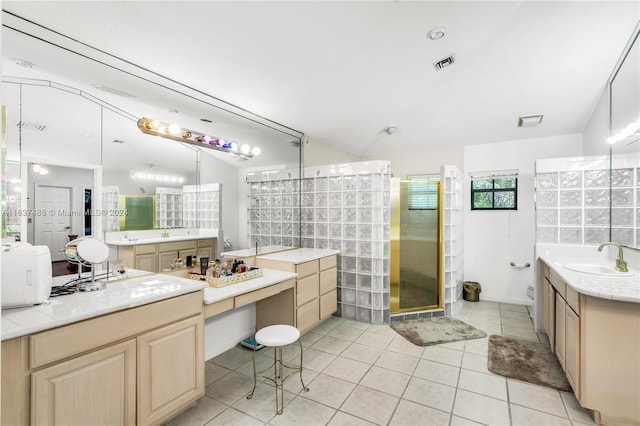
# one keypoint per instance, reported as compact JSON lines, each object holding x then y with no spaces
{"x":561,"y":308}
{"x":170,"y":369}
{"x":572,"y":350}
{"x":328,"y":304}
{"x":94,"y":389}
{"x":147,"y":262}
{"x":307,"y":289}
{"x":206,"y":252}
{"x":166,"y":258}
{"x":307,"y":316}
{"x":328,"y":280}
{"x":550,"y":315}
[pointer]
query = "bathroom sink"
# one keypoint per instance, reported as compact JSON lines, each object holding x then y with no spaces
{"x":595,"y":269}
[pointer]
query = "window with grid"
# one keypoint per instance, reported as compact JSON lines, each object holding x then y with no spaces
{"x":494,"y":191}
{"x":423,"y":192}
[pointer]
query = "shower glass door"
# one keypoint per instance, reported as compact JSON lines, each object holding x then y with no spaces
{"x":415,"y":244}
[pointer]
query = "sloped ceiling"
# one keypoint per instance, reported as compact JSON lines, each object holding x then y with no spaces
{"x":342,"y":71}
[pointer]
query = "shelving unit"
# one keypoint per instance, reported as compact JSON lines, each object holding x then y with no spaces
{"x":169,"y":207}
{"x":110,"y":194}
{"x":452,"y":238}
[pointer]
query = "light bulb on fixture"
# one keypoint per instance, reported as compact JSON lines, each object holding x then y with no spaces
{"x":256,"y":151}
{"x":233,"y":146}
{"x":174,"y":129}
{"x":245,"y":149}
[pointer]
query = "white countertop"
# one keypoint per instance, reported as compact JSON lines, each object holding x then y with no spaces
{"x":269,"y":277}
{"x":118,"y":295}
{"x":155,"y":240}
{"x":626,"y":289}
{"x":252,"y":251}
{"x":300,"y":255}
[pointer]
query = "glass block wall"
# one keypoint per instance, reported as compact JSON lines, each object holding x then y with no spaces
{"x":342,"y":206}
{"x":453,"y":239}
{"x":574,"y":196}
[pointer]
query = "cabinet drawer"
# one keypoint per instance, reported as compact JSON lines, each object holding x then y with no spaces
{"x":307,"y":316}
{"x":218,"y":307}
{"x":328,"y":262}
{"x":558,"y":283}
{"x":328,"y":280}
{"x":263,"y":293}
{"x":573,"y":299}
{"x":328,"y":304}
{"x":146,"y":249}
{"x":307,"y":289}
{"x":177,"y":245}
{"x":307,"y":268}
{"x":62,"y":342}
{"x":206,"y":243}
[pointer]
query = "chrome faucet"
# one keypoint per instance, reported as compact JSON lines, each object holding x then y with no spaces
{"x":621,"y":264}
{"x":165,"y":233}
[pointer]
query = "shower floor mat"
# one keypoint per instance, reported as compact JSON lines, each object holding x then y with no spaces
{"x":434,"y":331}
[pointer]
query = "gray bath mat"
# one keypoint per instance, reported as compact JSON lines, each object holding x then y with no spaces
{"x":526,"y":360}
{"x":434,"y":331}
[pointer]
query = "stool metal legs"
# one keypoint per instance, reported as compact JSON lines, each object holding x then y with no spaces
{"x":278,"y":379}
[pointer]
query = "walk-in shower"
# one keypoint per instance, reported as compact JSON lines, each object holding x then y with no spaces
{"x":415,"y":244}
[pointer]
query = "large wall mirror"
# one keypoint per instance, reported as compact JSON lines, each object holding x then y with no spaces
{"x":72,"y":142}
{"x":625,"y":153}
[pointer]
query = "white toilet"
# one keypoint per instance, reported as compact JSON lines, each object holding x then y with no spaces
{"x":530,"y":295}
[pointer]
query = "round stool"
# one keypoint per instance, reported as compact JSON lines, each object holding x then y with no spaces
{"x":277,"y":336}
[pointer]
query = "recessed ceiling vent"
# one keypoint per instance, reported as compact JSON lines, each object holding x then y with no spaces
{"x":444,"y":63}
{"x":113,"y":91}
{"x":31,"y":126}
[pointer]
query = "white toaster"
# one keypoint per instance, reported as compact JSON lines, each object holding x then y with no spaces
{"x":26,"y":275}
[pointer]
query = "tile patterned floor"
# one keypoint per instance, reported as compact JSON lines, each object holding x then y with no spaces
{"x":361,"y":374}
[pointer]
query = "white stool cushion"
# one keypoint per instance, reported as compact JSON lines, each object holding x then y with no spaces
{"x":277,"y":335}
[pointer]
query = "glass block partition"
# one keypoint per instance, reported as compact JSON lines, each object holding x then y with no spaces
{"x":344,"y":207}
{"x":453,"y":239}
{"x":201,"y":206}
{"x":574,"y":196}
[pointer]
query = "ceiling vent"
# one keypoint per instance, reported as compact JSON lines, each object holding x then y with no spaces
{"x":529,"y":120}
{"x":31,"y":126}
{"x":444,"y":63}
{"x":113,"y":91}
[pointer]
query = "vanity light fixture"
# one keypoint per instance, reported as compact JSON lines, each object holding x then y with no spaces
{"x":180,"y":134}
{"x":630,"y":134}
{"x":37,"y":168}
{"x":156,"y":177}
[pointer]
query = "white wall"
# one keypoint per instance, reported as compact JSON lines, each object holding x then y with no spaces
{"x":492,"y":239}
{"x":317,"y":154}
{"x":594,"y":137}
{"x":423,"y":161}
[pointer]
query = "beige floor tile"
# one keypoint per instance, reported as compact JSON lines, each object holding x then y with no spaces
{"x":344,"y":419}
{"x":371,"y":405}
{"x":374,"y":339}
{"x":576,"y":412}
{"x":347,"y":369}
{"x":481,"y":408}
{"x":522,"y":316}
{"x":293,"y":384}
{"x":397,"y":362}
{"x":213,"y":372}
{"x":536,"y":397}
{"x":459,"y":421}
{"x":355,"y":324}
{"x":309,"y":338}
{"x":430,"y":393}
{"x":362,"y":353}
{"x":331,"y":345}
{"x":409,"y":413}
{"x":233,"y":417}
{"x":443,"y":355}
{"x":513,"y":307}
{"x":329,"y":390}
{"x":385,"y":380}
{"x":486,"y":316}
{"x":263,"y":403}
{"x":441,"y":373}
{"x":327,"y":325}
{"x":522,"y":416}
{"x":403,"y":346}
{"x":303,"y":411}
{"x":485,"y":384}
{"x":522,"y":323}
{"x":315,"y":360}
{"x":478,"y":346}
{"x":345,"y":332}
{"x":230,"y":388}
{"x":385,"y":330}
{"x":289,"y":352}
{"x":233,"y":358}
{"x":471,"y":361}
{"x":522,"y":332}
{"x":262,"y":362}
{"x":204,"y":410}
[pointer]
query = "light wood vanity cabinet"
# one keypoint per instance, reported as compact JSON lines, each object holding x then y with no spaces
{"x":137,"y":366}
{"x":159,"y":257}
{"x":316,"y":288}
{"x":597,"y":342}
